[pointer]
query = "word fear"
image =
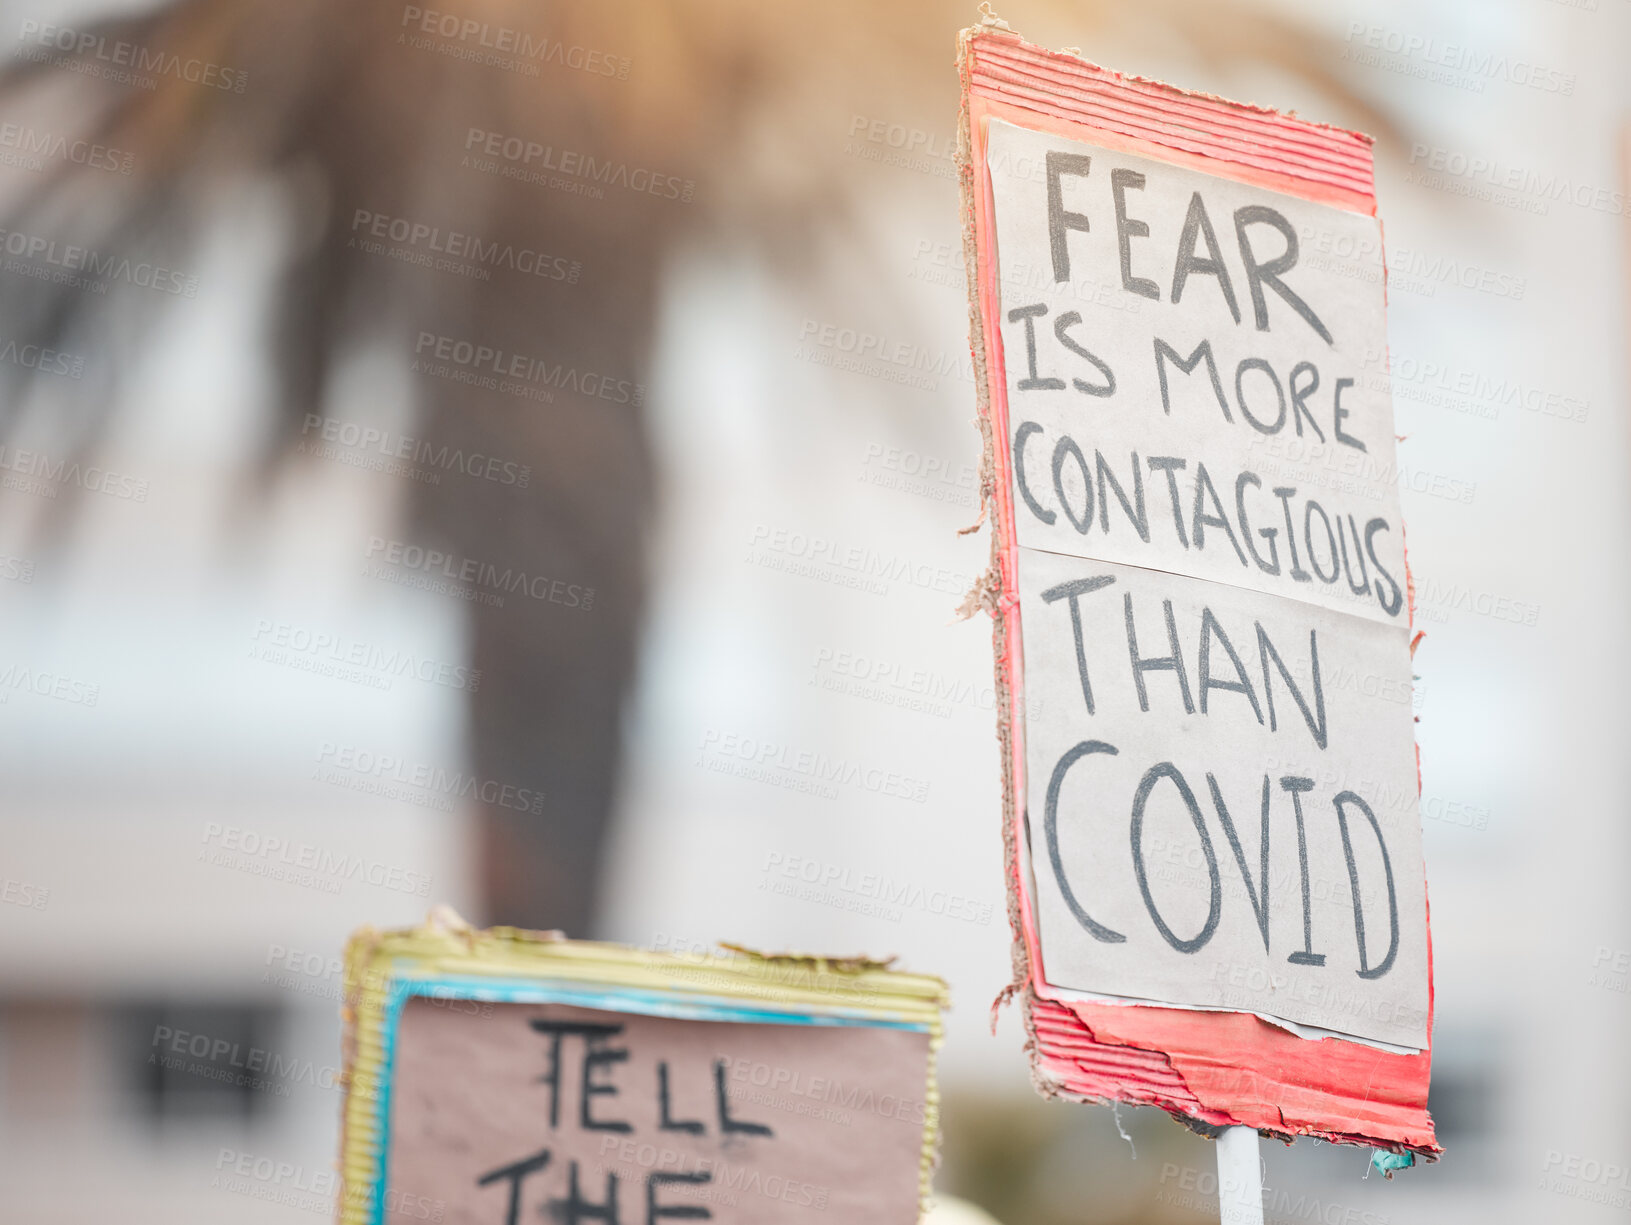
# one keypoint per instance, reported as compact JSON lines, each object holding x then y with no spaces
{"x":1259,"y":273}
{"x":1333,"y":546}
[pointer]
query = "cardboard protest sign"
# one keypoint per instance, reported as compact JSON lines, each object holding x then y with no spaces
{"x":494,"y":1077}
{"x":1203,"y":614}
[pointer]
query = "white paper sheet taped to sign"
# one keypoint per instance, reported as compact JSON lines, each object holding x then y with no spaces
{"x":1222,"y":791}
{"x":1196,"y":375}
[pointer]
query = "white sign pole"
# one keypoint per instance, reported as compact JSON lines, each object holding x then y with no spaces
{"x":1240,"y":1177}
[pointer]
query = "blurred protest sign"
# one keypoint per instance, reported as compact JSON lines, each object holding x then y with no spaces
{"x":495,"y":1076}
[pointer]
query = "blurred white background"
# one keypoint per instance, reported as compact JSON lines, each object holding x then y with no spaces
{"x":127,"y":909}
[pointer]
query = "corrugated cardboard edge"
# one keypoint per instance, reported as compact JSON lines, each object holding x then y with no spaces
{"x":796,"y":983}
{"x":1138,"y":1073}
{"x":986,"y":595}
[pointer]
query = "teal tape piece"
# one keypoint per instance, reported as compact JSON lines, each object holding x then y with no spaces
{"x":1387,"y":1164}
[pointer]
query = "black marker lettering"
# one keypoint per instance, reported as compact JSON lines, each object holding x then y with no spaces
{"x":1391,"y":605}
{"x":598,"y":1056}
{"x":1108,"y":388}
{"x":1300,"y":394}
{"x":1366,"y":970}
{"x":1261,"y":274}
{"x":1272,"y":566}
{"x":1165,"y":663}
{"x":1059,"y":220}
{"x":515,"y":1172}
{"x":1305,"y":956}
{"x":1127,"y":229}
{"x":1050,"y":830}
{"x":690,"y":1212}
{"x":1074,"y":591}
{"x":1359,"y":552}
{"x":1165,"y":353}
{"x":1200,"y":522}
{"x":1152,"y":776}
{"x":1025,"y":430}
{"x":575,"y":1209}
{"x":665,"y":1121}
{"x":1067,"y":446}
{"x":1285,"y":493}
{"x":557,"y":1030}
{"x":1210,"y":629}
{"x":1258,"y":897}
{"x":1032,"y":381}
{"x":1257,"y":363}
{"x":728,"y":1125}
{"x":1316,"y":723}
{"x":1170,"y":464}
{"x":1134,"y":512}
{"x":1198,"y":223}
{"x":1341,"y":414}
{"x":1310,"y":509}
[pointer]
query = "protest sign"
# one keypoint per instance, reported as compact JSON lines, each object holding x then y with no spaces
{"x":495,"y":1077}
{"x":1203,"y":615}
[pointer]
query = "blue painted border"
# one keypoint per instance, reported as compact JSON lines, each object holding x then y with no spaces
{"x":578,"y":995}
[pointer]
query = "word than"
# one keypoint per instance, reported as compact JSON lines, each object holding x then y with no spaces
{"x":1210,"y":672}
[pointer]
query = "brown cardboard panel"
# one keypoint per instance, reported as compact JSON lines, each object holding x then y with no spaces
{"x":816,"y":1124}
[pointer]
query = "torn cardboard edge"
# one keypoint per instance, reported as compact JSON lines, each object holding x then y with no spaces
{"x":381,"y":966}
{"x":1208,"y":1069}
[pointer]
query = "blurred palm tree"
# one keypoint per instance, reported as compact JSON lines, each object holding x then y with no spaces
{"x":371,"y":105}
